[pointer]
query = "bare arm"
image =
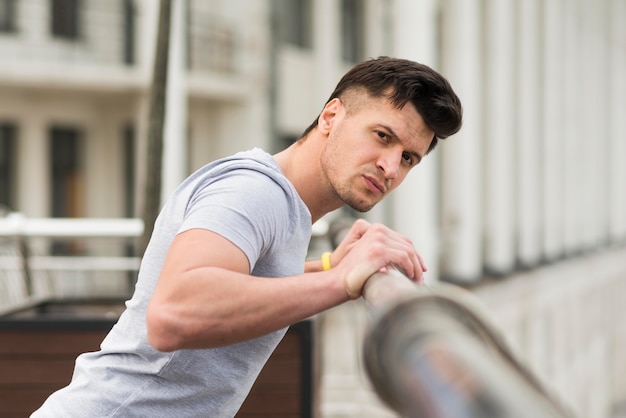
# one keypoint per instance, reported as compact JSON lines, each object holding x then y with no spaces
{"x":205,"y":296}
{"x":311,"y":266}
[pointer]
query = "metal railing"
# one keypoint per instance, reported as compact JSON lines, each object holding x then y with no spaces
{"x":28,"y":275}
{"x":433,"y":353}
{"x":430,"y":352}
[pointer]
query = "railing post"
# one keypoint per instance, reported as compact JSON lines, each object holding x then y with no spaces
{"x":433,"y":353}
{"x":18,"y":231}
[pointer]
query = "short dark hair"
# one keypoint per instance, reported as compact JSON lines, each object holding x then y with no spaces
{"x":404,"y":81}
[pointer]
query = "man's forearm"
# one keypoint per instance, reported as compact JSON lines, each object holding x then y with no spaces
{"x":311,"y":266}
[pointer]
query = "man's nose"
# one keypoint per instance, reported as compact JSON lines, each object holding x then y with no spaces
{"x":389,"y":163}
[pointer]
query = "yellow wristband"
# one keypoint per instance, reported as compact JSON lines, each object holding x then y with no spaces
{"x":326,"y":261}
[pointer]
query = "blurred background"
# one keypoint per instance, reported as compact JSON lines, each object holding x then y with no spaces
{"x":525,"y":206}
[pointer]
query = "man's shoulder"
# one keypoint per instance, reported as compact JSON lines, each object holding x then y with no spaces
{"x":252,"y":162}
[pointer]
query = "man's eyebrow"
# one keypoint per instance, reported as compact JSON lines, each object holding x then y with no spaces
{"x":397,"y":138}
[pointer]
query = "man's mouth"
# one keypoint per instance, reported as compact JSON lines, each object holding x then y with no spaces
{"x":374,"y":185}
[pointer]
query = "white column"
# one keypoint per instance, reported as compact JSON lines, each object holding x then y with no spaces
{"x":326,"y":47}
{"x":147,"y":23}
{"x":530,"y":134}
{"x":103,"y":166}
{"x":571,"y":185}
{"x":552,"y":131}
{"x":379,"y":34}
{"x":175,"y":142}
{"x":499,"y":164}
{"x":461,"y":192}
{"x":414,"y":207}
{"x":617,"y":122}
{"x":591,"y":160}
{"x":33,"y":167}
{"x":600,"y":233}
{"x":415,"y":26}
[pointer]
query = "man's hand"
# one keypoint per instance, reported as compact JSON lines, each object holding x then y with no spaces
{"x":368,"y":248}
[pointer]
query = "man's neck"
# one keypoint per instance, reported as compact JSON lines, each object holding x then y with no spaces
{"x":300,"y":163}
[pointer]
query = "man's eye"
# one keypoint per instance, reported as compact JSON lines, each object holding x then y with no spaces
{"x":382,"y":136}
{"x":408,"y":158}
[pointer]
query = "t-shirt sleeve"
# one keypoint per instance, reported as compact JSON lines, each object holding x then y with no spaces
{"x":246,"y":207}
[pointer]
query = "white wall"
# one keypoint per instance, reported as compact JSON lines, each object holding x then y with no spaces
{"x":533,"y":180}
{"x":563,"y":320}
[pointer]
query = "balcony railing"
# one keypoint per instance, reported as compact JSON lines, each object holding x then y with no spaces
{"x":108,"y":45}
{"x":212,"y":44}
{"x":29,"y":272}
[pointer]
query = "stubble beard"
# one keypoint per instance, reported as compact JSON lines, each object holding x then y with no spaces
{"x":348,"y":197}
{"x":343,"y":190}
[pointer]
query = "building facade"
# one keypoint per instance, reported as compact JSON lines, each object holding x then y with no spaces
{"x":533,"y":184}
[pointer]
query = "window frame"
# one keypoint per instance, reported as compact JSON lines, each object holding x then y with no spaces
{"x":8,"y":154}
{"x":65,"y":19}
{"x":295,"y":19}
{"x":352,"y":30}
{"x":8,"y":19}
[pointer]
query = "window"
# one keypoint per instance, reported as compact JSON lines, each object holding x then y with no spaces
{"x":353,"y":33}
{"x":7,"y":16}
{"x":7,"y":169}
{"x":67,"y":179}
{"x":295,"y":21}
{"x":211,"y":43}
{"x":128,"y":138}
{"x":64,"y":18}
{"x":129,"y":146}
{"x":129,"y":32}
{"x":67,"y":176}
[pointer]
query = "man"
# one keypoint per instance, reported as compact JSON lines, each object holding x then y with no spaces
{"x":224,"y":274}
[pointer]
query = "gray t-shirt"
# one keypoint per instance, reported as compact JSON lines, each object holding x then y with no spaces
{"x":246,"y":199}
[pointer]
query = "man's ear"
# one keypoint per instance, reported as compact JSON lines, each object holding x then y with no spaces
{"x":327,"y":117}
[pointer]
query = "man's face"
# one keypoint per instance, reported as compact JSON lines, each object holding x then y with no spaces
{"x":370,"y":150}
